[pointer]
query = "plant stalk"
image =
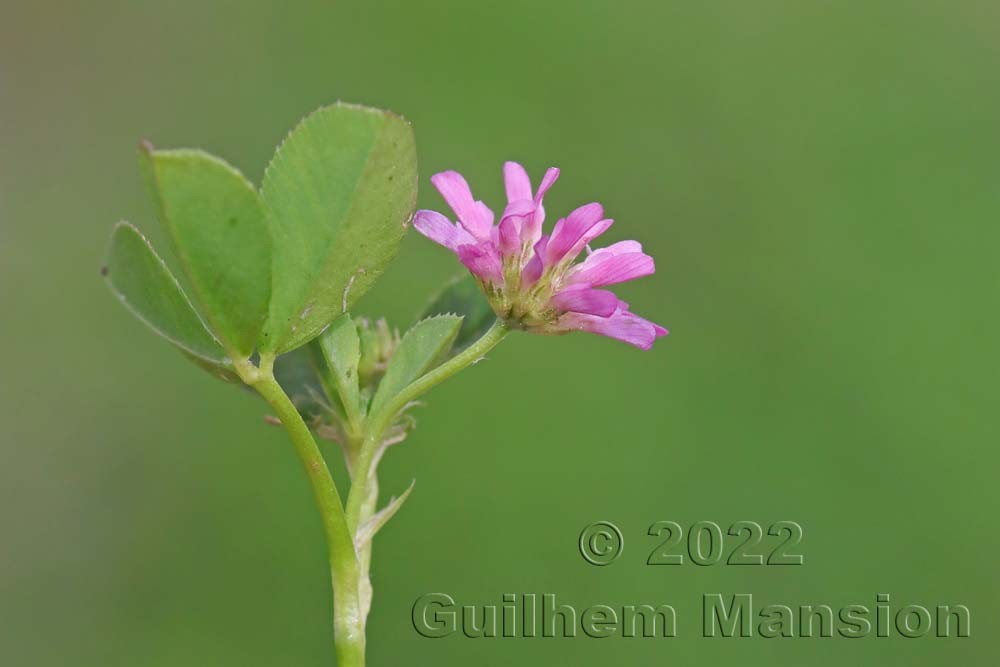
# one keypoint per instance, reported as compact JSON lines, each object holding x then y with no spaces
{"x":349,"y":621}
{"x":348,"y":568}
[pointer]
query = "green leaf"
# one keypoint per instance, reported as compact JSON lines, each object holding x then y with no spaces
{"x":339,"y":195}
{"x":147,"y":288}
{"x":463,"y":296}
{"x":423,"y":346}
{"x":216,"y":220}
{"x":341,"y":348}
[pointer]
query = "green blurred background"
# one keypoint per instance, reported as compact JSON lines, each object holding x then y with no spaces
{"x":817,"y":180}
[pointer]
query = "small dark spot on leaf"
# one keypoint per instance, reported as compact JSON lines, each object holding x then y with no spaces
{"x":232,"y":222}
{"x":104,"y":270}
{"x":390,"y":177}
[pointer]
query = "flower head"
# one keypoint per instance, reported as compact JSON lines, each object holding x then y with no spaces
{"x":531,"y":279}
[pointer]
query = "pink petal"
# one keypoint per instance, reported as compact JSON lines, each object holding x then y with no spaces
{"x":620,"y":248}
{"x":608,"y":268}
{"x":515,"y":217}
{"x":588,"y":236}
{"x":509,"y":236}
{"x":474,"y":215}
{"x":516,"y":182}
{"x":583,"y":299}
{"x":571,"y":230}
{"x":531,"y":231}
{"x":551,"y":174}
{"x":483,"y":260}
{"x":622,"y":325}
{"x":485,"y":214}
{"x":441,"y":230}
{"x":534,"y":267}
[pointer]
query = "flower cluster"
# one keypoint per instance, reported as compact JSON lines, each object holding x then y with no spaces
{"x":531,"y":279}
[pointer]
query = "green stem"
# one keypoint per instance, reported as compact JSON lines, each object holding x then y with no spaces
{"x":348,"y":569}
{"x":377,"y":423}
{"x":349,"y":622}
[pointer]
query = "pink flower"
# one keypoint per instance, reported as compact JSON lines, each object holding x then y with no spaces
{"x":530,"y":278}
